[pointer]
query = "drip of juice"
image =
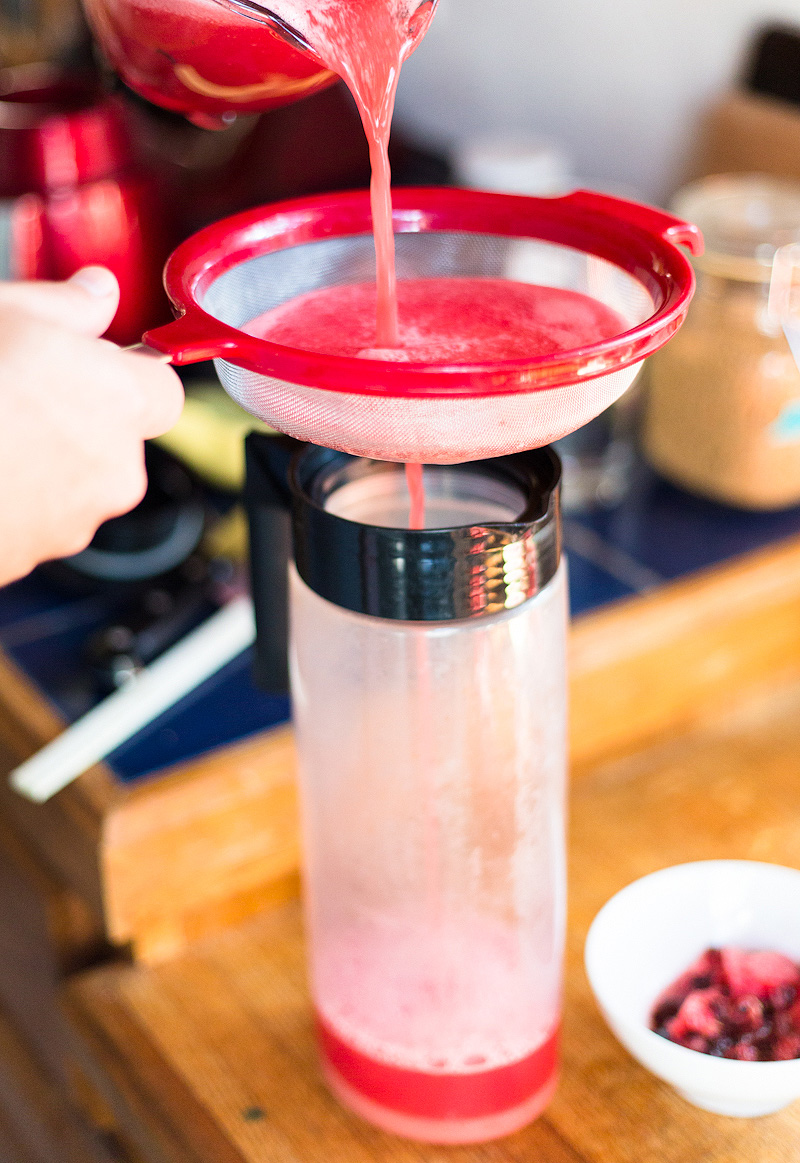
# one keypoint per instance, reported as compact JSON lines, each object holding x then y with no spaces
{"x":366,"y":43}
{"x":416,"y":492}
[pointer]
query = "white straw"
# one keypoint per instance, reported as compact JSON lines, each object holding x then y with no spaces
{"x":143,"y":697}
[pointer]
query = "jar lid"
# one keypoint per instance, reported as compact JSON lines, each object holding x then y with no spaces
{"x":744,"y":219}
{"x":491,"y":539}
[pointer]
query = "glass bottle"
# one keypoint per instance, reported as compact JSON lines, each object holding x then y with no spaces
{"x":429,"y":691}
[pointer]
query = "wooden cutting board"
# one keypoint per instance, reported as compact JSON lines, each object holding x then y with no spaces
{"x":211,"y":1056}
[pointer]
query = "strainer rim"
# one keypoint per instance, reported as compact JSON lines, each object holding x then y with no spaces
{"x":638,"y":239}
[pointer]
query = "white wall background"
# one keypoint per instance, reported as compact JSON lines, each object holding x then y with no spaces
{"x":620,"y":83}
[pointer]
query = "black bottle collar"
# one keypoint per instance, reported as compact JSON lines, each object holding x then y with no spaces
{"x":427,"y":575}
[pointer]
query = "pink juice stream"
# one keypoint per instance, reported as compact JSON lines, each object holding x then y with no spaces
{"x":366,"y":43}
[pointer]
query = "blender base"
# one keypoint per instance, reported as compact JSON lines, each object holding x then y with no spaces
{"x":445,"y":1131}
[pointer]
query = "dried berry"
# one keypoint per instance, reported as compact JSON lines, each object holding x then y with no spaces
{"x":757,"y":973}
{"x":786,"y":1047}
{"x":745,"y":1053}
{"x":697,"y":1014}
{"x":782,"y":997}
{"x":734,"y":1003}
{"x":747,"y":1013}
{"x":664,"y":1011}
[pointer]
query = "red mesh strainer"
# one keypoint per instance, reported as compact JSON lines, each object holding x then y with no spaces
{"x":623,"y":254}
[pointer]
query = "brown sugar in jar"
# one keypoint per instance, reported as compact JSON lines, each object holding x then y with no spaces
{"x":722,"y":416}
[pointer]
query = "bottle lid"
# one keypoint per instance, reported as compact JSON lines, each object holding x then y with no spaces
{"x":491,"y":539}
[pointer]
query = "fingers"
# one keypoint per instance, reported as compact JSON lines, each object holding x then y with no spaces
{"x":160,"y":391}
{"x":84,"y":304}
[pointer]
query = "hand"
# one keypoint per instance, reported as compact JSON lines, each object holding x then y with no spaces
{"x":74,"y":412}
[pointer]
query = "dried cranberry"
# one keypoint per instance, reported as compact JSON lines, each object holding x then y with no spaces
{"x":782,"y":997}
{"x":745,"y":1053}
{"x":694,"y":1042}
{"x":697,"y":1015}
{"x":758,"y":972}
{"x":664,"y":1011}
{"x":748,"y":1013}
{"x":782,"y":1024}
{"x":734,"y":1003}
{"x":786,"y":1048}
{"x":707,"y":966}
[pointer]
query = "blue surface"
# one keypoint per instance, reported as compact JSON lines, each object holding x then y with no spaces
{"x":226,"y":707}
{"x":657,"y":533}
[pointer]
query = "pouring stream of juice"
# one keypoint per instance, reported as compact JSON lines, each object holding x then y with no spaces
{"x":366,"y":43}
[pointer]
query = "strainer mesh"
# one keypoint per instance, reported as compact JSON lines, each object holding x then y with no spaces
{"x":441,"y":429}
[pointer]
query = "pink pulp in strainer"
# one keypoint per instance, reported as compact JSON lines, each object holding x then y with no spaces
{"x":443,"y":321}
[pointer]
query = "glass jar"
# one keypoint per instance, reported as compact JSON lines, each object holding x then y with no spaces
{"x":721,"y":417}
{"x":428,"y":672}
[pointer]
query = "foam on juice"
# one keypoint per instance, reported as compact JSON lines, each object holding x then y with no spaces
{"x":458,"y":321}
{"x":469,"y":1007}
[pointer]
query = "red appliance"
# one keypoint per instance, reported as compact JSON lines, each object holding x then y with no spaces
{"x":73,"y":195}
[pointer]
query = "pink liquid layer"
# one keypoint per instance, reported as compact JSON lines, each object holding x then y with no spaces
{"x":447,"y":1021}
{"x":440,"y":1107}
{"x":443,"y":321}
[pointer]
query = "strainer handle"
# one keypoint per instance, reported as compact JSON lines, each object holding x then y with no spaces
{"x":634,"y":214}
{"x":190,"y":338}
{"x":151,"y":352}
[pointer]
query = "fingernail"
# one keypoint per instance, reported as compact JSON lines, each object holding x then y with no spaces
{"x":98,"y":281}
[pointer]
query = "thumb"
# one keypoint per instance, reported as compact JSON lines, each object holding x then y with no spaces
{"x":86,"y":303}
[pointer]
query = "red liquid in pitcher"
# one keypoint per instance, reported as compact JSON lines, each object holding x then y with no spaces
{"x":438,"y":1033}
{"x":201,"y":58}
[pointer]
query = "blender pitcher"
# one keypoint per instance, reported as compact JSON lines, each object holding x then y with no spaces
{"x":428,"y":679}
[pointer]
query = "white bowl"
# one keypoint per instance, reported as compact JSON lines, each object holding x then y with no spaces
{"x":651,"y":931}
